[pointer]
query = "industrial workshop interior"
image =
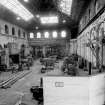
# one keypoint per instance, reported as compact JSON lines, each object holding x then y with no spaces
{"x":52,"y":52}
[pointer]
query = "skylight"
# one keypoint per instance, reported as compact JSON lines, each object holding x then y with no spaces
{"x":49,"y":20}
{"x":65,"y":6}
{"x":16,"y":7}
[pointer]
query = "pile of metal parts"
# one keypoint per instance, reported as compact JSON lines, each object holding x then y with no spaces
{"x":69,"y":65}
{"x":48,"y":64}
{"x":37,"y":92}
{"x":25,"y":63}
{"x":14,"y":59}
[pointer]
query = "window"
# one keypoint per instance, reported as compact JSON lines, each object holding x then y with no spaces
{"x":63,"y":34}
{"x":38,"y":35}
{"x":6,"y":29}
{"x":31,"y":35}
{"x":85,"y":21}
{"x":55,"y":34}
{"x":0,"y":28}
{"x":19,"y":33}
{"x":24,"y":34}
{"x":13,"y":31}
{"x":46,"y":34}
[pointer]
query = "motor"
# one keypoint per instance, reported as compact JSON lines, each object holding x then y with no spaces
{"x":37,"y":93}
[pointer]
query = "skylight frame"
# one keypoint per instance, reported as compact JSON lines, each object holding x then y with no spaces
{"x":17,"y":8}
{"x":46,"y":34}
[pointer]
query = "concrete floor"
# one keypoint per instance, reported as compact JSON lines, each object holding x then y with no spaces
{"x":21,"y":89}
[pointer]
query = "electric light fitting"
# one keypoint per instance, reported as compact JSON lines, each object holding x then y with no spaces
{"x":18,"y":18}
{"x":49,"y":20}
{"x":37,"y":28}
{"x":37,"y":16}
{"x":46,"y":34}
{"x":64,"y":21}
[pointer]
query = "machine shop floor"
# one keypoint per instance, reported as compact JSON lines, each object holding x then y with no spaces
{"x":21,"y":89}
{"x":7,"y":75}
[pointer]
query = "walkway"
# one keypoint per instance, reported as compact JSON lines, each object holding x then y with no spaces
{"x":21,"y":89}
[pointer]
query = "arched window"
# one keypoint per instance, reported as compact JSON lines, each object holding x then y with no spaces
{"x":13,"y":31}
{"x":19,"y":33}
{"x":6,"y":29}
{"x":89,"y":14}
{"x":85,"y":20}
{"x":95,"y":1}
{"x":38,"y":35}
{"x":24,"y":34}
{"x":97,"y":5}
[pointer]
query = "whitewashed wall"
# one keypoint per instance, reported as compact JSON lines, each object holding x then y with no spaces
{"x":5,"y":38}
{"x":66,"y":91}
{"x":92,"y":32}
{"x":73,"y":46}
{"x":97,"y":90}
{"x":74,"y":90}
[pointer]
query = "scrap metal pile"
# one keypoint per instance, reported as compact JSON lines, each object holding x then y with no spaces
{"x":69,"y":65}
{"x":48,"y":63}
{"x":37,"y":92}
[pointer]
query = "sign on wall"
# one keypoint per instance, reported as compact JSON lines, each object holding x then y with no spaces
{"x":74,"y":90}
{"x":66,"y":90}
